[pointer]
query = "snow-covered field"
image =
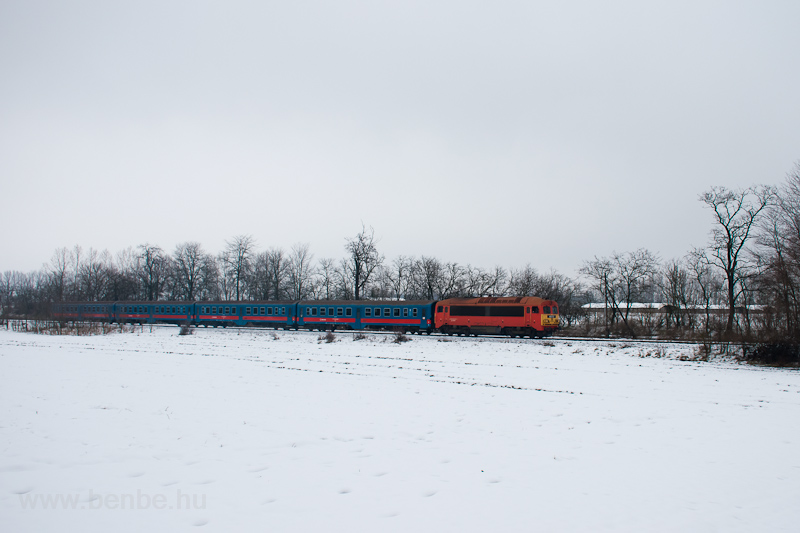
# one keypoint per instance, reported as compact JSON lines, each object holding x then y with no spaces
{"x":230,"y":430}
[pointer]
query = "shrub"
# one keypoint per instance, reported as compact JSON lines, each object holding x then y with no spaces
{"x":400,"y":337}
{"x":327,"y":337}
{"x":775,"y":354}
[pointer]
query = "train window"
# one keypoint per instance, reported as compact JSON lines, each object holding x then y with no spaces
{"x":269,"y":310}
{"x":546,"y":309}
{"x":283,"y":310}
{"x":396,"y":311}
{"x":313,"y":311}
{"x":414,"y":312}
{"x":367,"y":312}
{"x":527,"y":310}
{"x":339,"y":311}
{"x":535,"y":309}
{"x":262,"y":310}
{"x":438,"y":308}
{"x":405,"y":311}
{"x":377,"y":311}
{"x":348,"y":311}
{"x":214,"y":310}
{"x":321,"y":311}
{"x":555,"y":310}
{"x":247,"y":310}
{"x":173,"y":309}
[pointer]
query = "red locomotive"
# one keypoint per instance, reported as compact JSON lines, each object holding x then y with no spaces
{"x":518,"y":316}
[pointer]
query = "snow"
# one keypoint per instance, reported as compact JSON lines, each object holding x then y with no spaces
{"x":247,"y":432}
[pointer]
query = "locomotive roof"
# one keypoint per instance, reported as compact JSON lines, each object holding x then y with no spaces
{"x":499,"y":300}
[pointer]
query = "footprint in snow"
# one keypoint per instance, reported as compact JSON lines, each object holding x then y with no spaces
{"x":429,"y":493}
{"x":200,"y":522}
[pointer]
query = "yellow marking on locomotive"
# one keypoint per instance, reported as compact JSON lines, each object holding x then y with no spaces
{"x":550,"y":320}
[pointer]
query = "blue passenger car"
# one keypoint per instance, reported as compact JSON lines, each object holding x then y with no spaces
{"x":272,"y":313}
{"x":84,"y":311}
{"x":409,"y":316}
{"x":135,"y":312}
{"x":276,"y":314}
{"x":171,"y":312}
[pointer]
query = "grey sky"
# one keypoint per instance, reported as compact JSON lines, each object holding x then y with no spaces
{"x":479,"y":132}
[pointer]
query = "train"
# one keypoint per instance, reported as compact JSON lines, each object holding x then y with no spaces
{"x":523,"y":316}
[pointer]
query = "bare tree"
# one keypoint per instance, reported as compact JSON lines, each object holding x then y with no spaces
{"x":523,"y":282}
{"x":451,"y":280}
{"x":344,"y":281}
{"x":326,"y":284}
{"x":675,"y":284}
{"x":152,"y":270}
{"x":237,"y":259}
{"x":58,"y":272}
{"x":77,"y":264}
{"x":779,"y":255}
{"x":6,"y":293}
{"x":635,"y":271}
{"x":603,"y":277}
{"x":399,"y":275}
{"x":735,"y":214}
{"x":363,"y":259}
{"x":621,"y":279}
{"x":190,"y":264}
{"x":428,"y":272}
{"x":706,"y":286}
{"x":277,"y":265}
{"x":300,"y":272}
{"x":94,"y":275}
{"x":123,"y":281}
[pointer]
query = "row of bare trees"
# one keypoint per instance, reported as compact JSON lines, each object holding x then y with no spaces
{"x":752,"y":262}
{"x":243,"y":272}
{"x":744,"y":282}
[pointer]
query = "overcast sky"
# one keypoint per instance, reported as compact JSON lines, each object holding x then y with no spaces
{"x":503,"y":132}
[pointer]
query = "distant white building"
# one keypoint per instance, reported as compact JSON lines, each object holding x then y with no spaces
{"x":638,"y":308}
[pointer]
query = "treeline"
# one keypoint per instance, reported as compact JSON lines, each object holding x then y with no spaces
{"x":744,"y":283}
{"x":243,"y":272}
